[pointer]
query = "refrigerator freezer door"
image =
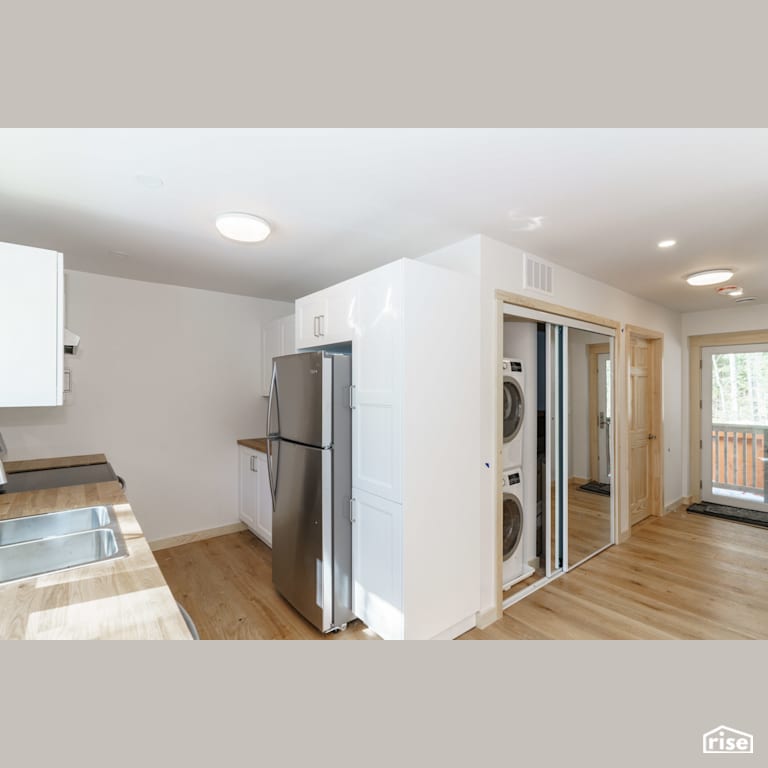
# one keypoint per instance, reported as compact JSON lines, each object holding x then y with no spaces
{"x":301,"y":531}
{"x":301,"y":402}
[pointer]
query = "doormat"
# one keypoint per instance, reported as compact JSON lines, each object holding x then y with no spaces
{"x":753,"y":516}
{"x":594,"y":487}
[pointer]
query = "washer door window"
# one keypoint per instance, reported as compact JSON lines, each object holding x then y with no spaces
{"x":512,"y":528}
{"x":513,"y":408}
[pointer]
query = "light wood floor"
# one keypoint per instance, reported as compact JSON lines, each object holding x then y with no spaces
{"x":225,"y":584}
{"x":589,"y":530}
{"x":681,"y":576}
{"x":589,"y":522}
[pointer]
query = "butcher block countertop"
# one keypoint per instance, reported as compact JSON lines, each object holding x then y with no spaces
{"x":121,"y":599}
{"x":57,"y":463}
{"x":255,"y":443}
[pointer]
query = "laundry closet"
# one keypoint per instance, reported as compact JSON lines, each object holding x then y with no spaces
{"x":558,"y":489}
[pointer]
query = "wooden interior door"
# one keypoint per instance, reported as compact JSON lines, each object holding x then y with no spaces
{"x":640,"y":425}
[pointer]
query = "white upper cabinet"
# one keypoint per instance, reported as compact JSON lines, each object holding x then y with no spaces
{"x":32,"y":319}
{"x":326,"y":317}
{"x":277,"y":340}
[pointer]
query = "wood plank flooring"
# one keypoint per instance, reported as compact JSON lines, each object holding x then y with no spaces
{"x":681,"y":576}
{"x":225,"y":584}
{"x":589,"y":530}
{"x":589,"y":523}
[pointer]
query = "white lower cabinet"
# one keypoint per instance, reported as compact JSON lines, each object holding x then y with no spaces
{"x":377,"y":564}
{"x":255,"y":501}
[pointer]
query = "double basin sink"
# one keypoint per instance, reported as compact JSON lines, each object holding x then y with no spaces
{"x":55,"y":541}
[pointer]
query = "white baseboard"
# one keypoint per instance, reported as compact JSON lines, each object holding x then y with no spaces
{"x":188,"y":538}
{"x":457,"y":629}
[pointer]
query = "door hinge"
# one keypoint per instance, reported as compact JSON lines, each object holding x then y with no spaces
{"x":701,"y":445}
{"x":701,"y":484}
{"x":701,"y":364}
{"x":699,"y":404}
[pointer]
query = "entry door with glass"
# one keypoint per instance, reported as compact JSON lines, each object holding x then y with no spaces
{"x":734,"y":425}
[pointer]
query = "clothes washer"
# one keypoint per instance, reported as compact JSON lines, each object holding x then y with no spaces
{"x":514,"y":522}
{"x":513,"y":411}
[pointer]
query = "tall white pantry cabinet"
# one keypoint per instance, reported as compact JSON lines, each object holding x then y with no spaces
{"x":32,"y":322}
{"x":415,"y":441}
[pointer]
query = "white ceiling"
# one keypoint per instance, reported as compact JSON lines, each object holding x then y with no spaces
{"x":345,"y":200}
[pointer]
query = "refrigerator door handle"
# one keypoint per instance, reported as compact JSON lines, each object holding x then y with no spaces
{"x":274,"y":398}
{"x":273,"y":476}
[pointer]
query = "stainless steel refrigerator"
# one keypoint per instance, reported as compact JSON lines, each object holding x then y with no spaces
{"x":309,"y":434}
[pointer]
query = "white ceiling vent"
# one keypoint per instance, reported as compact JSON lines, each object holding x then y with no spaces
{"x":538,"y":275}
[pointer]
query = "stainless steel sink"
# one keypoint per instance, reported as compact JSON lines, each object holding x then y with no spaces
{"x":32,"y":546}
{"x":52,"y":524}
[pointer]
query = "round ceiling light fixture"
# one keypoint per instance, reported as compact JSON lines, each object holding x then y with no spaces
{"x":709,"y":276}
{"x":666,"y":243}
{"x":243,"y":227}
{"x":730,"y":290}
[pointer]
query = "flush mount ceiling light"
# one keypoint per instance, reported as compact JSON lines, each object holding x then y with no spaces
{"x":243,"y":227}
{"x":730,"y":290}
{"x":709,"y":276}
{"x":666,"y":243}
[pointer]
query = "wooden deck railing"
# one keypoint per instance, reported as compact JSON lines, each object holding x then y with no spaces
{"x":738,"y":453}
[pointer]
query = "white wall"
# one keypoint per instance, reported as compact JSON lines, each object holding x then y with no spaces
{"x":501,"y":267}
{"x":750,"y":317}
{"x":165,"y":381}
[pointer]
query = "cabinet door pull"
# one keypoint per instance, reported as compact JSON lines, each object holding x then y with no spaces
{"x":314,"y":326}
{"x":254,"y":468}
{"x":321,"y":325}
{"x":352,"y":510}
{"x":352,"y":396}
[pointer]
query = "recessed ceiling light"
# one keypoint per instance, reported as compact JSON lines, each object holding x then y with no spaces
{"x":150,"y":182}
{"x":731,"y":290}
{"x":666,"y":243}
{"x":243,"y":227}
{"x":709,"y":276}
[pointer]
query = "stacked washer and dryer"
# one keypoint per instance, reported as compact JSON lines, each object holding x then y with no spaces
{"x":516,"y":518}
